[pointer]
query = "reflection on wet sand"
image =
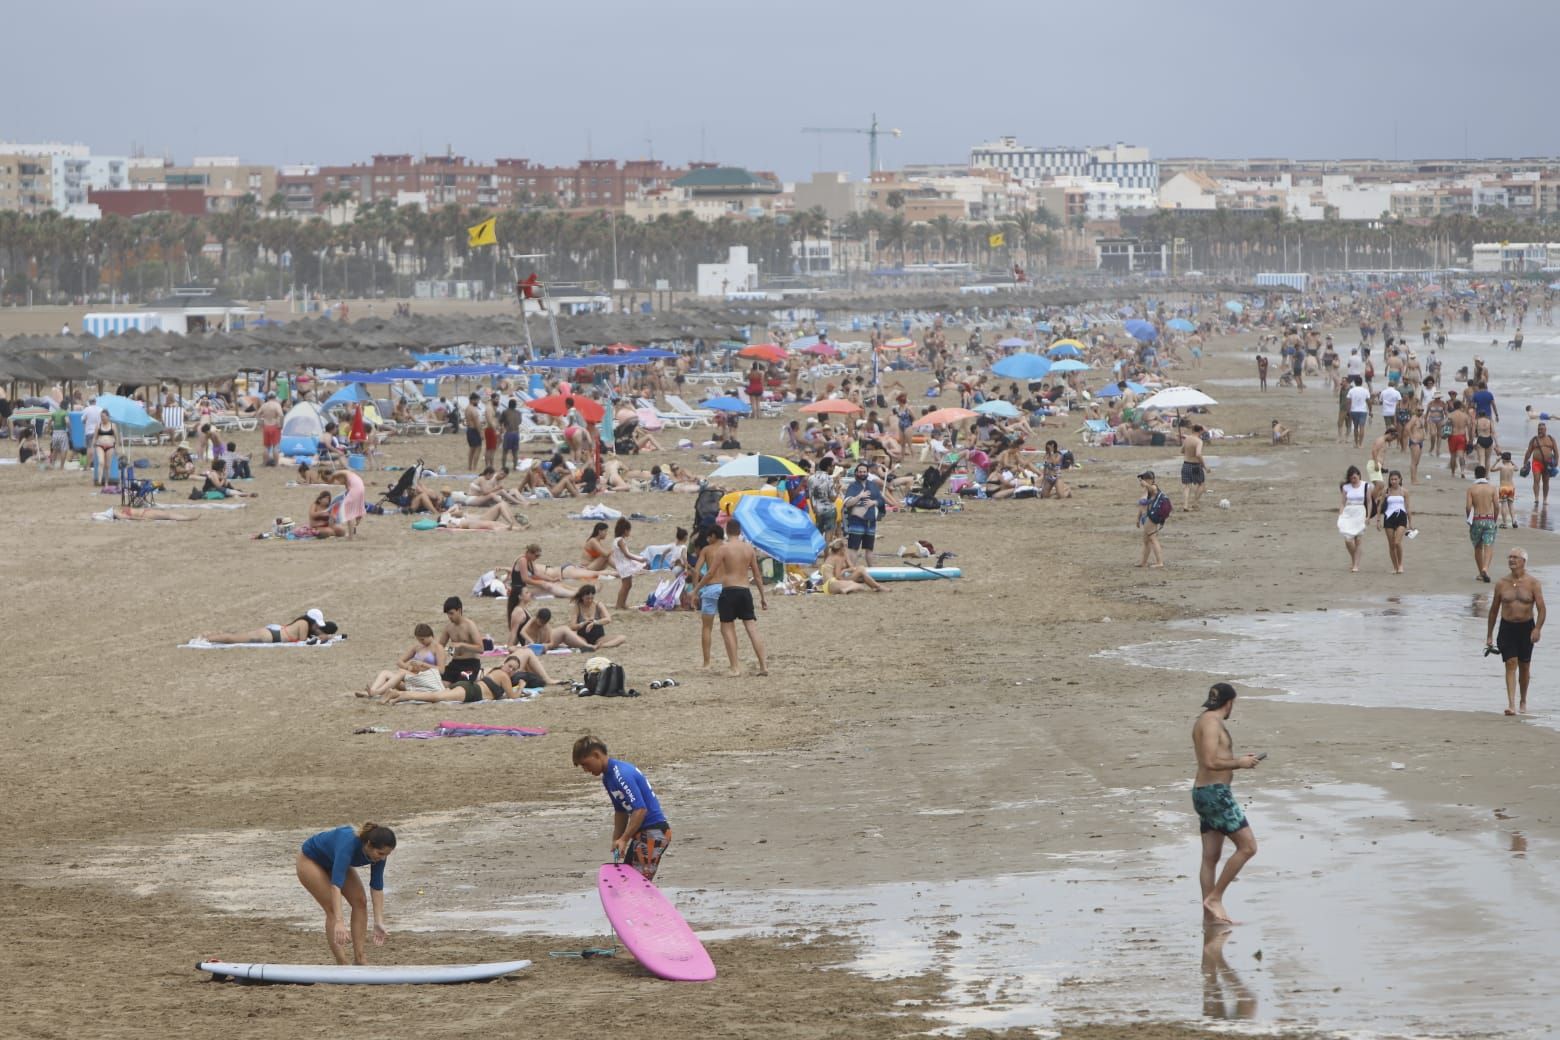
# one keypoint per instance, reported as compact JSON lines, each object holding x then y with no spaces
{"x":1225,"y":996}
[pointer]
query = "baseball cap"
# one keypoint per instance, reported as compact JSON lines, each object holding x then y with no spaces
{"x":1219,"y":694}
{"x":1147,"y":474}
{"x":316,"y":615}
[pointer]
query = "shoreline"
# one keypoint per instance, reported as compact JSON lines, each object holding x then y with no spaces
{"x":986,"y":686}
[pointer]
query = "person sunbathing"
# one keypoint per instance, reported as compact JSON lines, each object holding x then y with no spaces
{"x":840,"y":576}
{"x":497,"y":518}
{"x":310,"y":626}
{"x":321,"y":521}
{"x":147,"y":513}
{"x":645,"y":440}
{"x":530,"y":574}
{"x":615,"y":477}
{"x":417,"y":670}
{"x":559,"y":483}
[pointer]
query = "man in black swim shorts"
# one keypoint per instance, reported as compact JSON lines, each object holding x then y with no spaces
{"x":732,"y":564}
{"x":1518,"y":601}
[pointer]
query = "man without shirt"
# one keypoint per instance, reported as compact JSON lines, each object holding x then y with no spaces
{"x":1457,"y":441}
{"x":1194,"y":472}
{"x":1518,"y":601}
{"x":463,"y":641}
{"x":270,"y":416}
{"x":1483,"y":512}
{"x":1219,"y":816}
{"x":732,"y":563}
{"x":1542,"y":455}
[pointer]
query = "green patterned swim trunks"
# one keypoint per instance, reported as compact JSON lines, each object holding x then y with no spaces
{"x":1217,"y":809}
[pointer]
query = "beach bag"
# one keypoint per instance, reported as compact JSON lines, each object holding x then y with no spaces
{"x":667,"y":594}
{"x":1160,"y":508}
{"x":606,"y":681}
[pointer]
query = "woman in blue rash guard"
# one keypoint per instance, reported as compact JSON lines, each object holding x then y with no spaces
{"x":325,"y":865}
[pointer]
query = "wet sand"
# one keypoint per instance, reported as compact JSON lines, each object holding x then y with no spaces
{"x":962,"y":790}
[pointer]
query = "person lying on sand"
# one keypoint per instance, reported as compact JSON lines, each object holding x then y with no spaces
{"x":520,"y":670}
{"x":148,"y":513}
{"x":310,"y":625}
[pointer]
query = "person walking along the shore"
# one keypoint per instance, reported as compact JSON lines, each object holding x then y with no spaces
{"x":1154,"y":510}
{"x":1396,"y":518}
{"x":1483,"y":512}
{"x":1219,"y":816}
{"x":1518,"y":601}
{"x":1352,"y":513}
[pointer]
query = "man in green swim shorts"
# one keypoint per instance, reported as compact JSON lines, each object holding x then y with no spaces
{"x":1218,"y":813}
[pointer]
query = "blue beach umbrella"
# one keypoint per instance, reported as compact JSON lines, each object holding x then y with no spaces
{"x":758,"y":466}
{"x":1181,"y":325}
{"x":128,"y":413}
{"x":1022,"y":366}
{"x":1064,"y":349}
{"x":1013,"y":343}
{"x":778,"y":528}
{"x":727,"y":404}
{"x":1234,"y":306}
{"x":1142,"y":330}
{"x":1112,"y":390}
{"x":1000,"y":408}
{"x":1042,"y":326}
{"x":349,"y":394}
{"x":1071,"y":365}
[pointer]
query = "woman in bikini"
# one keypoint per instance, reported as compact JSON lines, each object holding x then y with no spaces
{"x":311,"y":625}
{"x":1395,"y":519}
{"x":589,"y":620}
{"x":1435,"y":419}
{"x":1051,"y":483}
{"x":496,"y":518}
{"x":104,"y":444}
{"x":598,"y":550}
{"x":530,"y":573}
{"x":1414,"y":435}
{"x":417,"y":671}
{"x":320,"y":519}
{"x":840,"y":578}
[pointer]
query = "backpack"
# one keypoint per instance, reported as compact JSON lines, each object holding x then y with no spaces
{"x":1160,"y":508}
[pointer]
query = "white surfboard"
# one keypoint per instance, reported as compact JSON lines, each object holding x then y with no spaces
{"x":362,"y":975}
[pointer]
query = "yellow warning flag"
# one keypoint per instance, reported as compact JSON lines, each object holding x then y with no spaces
{"x":996,"y":240}
{"x":483,"y":234}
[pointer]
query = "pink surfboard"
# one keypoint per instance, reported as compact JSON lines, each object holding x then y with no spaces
{"x":651,"y":927}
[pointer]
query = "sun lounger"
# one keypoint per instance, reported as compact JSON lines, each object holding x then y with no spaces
{"x":672,"y":419}
{"x":1094,"y":432}
{"x":681,"y":407}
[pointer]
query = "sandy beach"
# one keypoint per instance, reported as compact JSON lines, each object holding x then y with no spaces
{"x":965,"y":795}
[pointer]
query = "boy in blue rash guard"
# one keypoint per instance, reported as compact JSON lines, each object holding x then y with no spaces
{"x":640,"y":833}
{"x":325,"y":865}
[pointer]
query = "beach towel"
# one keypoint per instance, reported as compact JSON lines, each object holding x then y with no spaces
{"x":596,"y":511}
{"x":469,"y":729}
{"x":205,"y":505}
{"x":200,"y":644}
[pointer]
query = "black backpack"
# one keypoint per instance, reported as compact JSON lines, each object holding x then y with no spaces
{"x":605,"y":682}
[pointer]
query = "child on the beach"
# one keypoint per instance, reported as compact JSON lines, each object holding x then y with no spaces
{"x":640,"y":833}
{"x":1507,"y":493}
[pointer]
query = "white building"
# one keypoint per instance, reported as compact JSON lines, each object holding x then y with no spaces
{"x":1123,"y":164}
{"x":736,"y":275}
{"x":76,"y":171}
{"x":1106,"y":200}
{"x":1514,"y":257}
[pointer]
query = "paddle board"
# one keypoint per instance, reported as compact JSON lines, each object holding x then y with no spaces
{"x":913,"y":573}
{"x":651,"y":927}
{"x":361,"y":975}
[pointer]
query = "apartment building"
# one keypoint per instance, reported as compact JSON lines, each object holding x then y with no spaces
{"x":26,"y":182}
{"x":222,"y":180}
{"x":442,"y":180}
{"x":1126,"y":165}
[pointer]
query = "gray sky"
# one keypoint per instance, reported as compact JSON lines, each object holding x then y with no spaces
{"x":336,"y":80}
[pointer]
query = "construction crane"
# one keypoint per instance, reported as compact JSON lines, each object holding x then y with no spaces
{"x":872,"y":133}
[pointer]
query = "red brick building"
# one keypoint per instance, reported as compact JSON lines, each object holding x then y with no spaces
{"x":132,"y":202}
{"x":452,"y":179}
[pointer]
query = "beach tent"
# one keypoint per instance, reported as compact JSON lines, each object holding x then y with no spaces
{"x":302,"y":428}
